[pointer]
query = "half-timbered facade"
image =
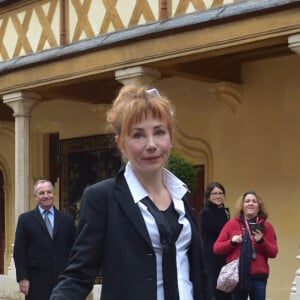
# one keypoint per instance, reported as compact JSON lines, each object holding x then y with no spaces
{"x":231,"y":69}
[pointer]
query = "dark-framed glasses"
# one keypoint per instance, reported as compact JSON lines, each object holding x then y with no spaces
{"x":216,"y":194}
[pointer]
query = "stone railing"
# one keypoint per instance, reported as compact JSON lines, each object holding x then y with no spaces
{"x":9,"y":288}
{"x":96,"y":292}
{"x":295,"y":291}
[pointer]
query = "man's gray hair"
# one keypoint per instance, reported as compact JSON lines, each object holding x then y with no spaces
{"x":39,"y":182}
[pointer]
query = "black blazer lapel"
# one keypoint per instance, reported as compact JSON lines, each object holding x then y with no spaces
{"x":39,"y":219}
{"x":132,"y":210}
{"x":57,"y":220}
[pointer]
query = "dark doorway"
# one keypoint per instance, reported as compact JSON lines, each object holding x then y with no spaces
{"x":2,"y":223}
{"x":84,"y":161}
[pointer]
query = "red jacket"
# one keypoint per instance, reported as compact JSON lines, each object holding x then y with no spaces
{"x":267,"y":249}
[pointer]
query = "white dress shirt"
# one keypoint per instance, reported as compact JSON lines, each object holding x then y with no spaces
{"x":177,"y":190}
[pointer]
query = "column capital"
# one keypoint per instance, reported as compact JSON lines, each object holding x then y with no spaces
{"x":101,"y":108}
{"x":21,"y":102}
{"x":228,"y":93}
{"x":294,"y":43}
{"x":139,"y":75}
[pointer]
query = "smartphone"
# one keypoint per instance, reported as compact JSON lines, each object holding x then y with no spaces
{"x":257,"y":226}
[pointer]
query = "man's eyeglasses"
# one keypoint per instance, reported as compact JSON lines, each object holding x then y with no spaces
{"x":215,"y":194}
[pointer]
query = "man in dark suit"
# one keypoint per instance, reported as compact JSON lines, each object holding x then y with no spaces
{"x":41,"y":253}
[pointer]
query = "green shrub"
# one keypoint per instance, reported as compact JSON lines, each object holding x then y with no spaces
{"x":183,"y":169}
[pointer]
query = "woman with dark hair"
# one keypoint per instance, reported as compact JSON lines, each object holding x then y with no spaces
{"x":213,"y":217}
{"x":252,"y":239}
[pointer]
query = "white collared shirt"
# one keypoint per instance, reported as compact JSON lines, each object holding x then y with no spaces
{"x":177,"y":190}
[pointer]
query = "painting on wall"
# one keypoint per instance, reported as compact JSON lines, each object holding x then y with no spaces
{"x":84,"y":161}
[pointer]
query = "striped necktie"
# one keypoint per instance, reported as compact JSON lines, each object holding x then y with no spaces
{"x":48,"y":223}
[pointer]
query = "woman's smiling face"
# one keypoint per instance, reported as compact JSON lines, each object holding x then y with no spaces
{"x":217,"y":196}
{"x":251,"y":206}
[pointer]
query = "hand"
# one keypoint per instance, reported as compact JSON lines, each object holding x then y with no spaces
{"x":24,"y":286}
{"x":257,"y":235}
{"x":237,"y":239}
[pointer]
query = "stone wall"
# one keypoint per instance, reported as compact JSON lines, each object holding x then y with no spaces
{"x":295,"y":291}
{"x":9,"y":288}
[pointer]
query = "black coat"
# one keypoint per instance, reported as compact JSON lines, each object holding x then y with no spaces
{"x":112,"y":236}
{"x":39,"y":258}
{"x":212,"y":220}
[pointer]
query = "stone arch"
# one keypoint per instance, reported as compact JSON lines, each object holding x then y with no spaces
{"x":196,"y":150}
{"x":2,"y":223}
{"x":7,"y":169}
{"x":9,"y":211}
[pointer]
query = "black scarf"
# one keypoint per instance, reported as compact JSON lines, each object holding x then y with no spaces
{"x":245,"y":260}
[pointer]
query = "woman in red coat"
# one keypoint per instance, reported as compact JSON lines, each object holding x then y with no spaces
{"x":240,"y":239}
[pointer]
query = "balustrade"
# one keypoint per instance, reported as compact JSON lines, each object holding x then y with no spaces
{"x":295,"y":290}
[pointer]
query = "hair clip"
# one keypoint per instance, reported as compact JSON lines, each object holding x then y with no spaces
{"x":153,"y":91}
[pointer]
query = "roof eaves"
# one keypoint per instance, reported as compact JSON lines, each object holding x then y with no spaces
{"x":146,"y":30}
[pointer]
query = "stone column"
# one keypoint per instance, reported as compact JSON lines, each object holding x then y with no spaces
{"x":294,"y":43}
{"x":139,"y":75}
{"x":228,"y":93}
{"x":295,"y":290}
{"x":21,"y":104}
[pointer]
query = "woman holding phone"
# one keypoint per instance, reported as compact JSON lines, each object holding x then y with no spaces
{"x":253,"y":245}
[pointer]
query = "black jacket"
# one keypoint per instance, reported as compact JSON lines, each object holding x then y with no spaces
{"x":212,"y":220}
{"x":112,"y":236}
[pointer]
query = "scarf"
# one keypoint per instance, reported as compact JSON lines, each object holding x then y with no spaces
{"x":245,"y":260}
